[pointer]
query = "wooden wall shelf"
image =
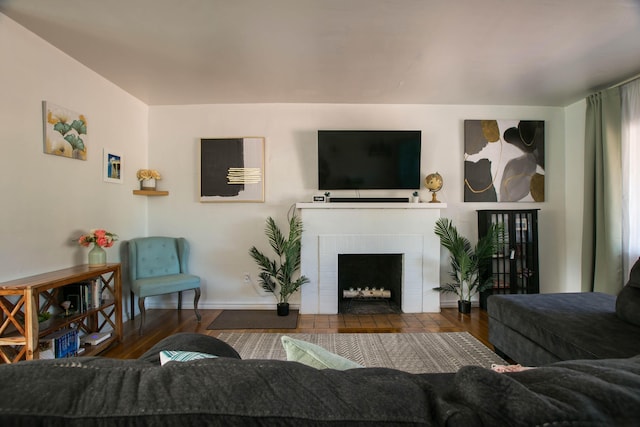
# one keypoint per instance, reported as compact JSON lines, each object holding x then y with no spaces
{"x":150,"y":193}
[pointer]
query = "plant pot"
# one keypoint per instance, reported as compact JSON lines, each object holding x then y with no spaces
{"x":283,"y":309}
{"x":148,"y":184}
{"x":464,"y":307}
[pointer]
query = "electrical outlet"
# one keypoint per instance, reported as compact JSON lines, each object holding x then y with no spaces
{"x":247,"y":278}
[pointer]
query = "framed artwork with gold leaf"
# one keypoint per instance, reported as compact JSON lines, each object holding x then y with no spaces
{"x":504,"y":160}
{"x":232,"y":169}
{"x":65,"y":132}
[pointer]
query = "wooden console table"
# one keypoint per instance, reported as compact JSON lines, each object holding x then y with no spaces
{"x":22,"y":300}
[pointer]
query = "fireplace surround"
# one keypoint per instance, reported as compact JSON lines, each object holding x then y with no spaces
{"x":370,"y":228}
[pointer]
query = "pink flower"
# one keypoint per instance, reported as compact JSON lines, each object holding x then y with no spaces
{"x":100,"y":237}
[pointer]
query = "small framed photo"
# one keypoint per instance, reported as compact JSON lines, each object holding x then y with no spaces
{"x":112,"y":167}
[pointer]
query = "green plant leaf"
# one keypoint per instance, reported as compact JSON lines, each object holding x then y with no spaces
{"x":76,"y":143}
{"x":62,"y":127}
{"x":79,"y":126}
{"x":277,"y":275}
{"x":468,"y":263}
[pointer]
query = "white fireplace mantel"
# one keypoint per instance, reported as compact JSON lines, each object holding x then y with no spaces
{"x":338,"y":228}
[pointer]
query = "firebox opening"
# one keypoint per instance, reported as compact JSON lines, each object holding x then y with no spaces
{"x":370,"y":283}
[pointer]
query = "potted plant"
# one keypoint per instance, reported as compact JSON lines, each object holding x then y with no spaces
{"x":468,"y":263}
{"x":277,"y":275}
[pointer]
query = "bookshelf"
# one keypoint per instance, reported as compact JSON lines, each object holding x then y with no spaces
{"x":23,"y":300}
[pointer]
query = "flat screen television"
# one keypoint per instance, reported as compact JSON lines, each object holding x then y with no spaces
{"x":369,"y":159}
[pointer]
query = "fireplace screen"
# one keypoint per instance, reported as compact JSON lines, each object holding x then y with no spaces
{"x":370,"y":283}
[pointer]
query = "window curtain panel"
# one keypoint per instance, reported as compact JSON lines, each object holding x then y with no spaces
{"x":602,"y":239}
{"x":630,"y":94}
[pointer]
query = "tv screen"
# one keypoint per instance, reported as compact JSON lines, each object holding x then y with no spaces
{"x":369,"y":159}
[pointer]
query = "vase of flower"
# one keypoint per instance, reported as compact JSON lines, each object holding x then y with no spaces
{"x":97,"y":256}
{"x":101,"y":239}
{"x":148,"y":178}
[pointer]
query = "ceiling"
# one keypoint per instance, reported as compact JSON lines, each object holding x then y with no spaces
{"x":494,"y":52}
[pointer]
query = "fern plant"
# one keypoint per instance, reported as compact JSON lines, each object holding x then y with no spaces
{"x":277,"y":275}
{"x":468,"y":263}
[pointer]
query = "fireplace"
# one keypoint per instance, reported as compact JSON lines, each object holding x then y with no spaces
{"x":335,"y":229}
{"x":369,"y":283}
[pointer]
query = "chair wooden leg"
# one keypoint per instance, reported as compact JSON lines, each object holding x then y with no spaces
{"x":195,"y":304}
{"x":142,"y":313}
{"x":180,"y":300}
{"x":131,"y":313}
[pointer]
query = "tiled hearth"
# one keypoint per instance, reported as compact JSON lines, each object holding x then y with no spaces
{"x":370,"y":228}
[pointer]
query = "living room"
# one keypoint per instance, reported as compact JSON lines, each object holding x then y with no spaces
{"x":82,"y":56}
{"x":50,"y":201}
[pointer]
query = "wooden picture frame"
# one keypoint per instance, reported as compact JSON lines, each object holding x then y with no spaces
{"x":232,"y":169}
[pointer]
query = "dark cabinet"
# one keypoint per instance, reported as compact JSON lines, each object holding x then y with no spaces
{"x":515,"y":266}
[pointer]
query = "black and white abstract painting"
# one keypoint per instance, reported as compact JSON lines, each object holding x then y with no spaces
{"x":504,"y":160}
{"x":232,"y":169}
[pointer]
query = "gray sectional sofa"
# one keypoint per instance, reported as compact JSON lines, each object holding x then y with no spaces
{"x":538,"y":329}
{"x":96,"y":391}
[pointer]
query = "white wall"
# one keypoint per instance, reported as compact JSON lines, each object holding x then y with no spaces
{"x":222,"y":233}
{"x":48,"y":201}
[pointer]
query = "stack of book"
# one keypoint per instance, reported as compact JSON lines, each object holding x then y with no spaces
{"x":62,"y":343}
{"x":83,"y":296}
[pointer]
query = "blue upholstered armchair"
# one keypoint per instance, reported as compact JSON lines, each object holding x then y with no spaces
{"x":158,"y":266}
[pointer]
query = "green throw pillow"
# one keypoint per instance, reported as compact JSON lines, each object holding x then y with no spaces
{"x":182,"y":356}
{"x":315,"y":356}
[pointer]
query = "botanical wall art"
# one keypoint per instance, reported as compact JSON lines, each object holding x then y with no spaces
{"x":112,"y":167}
{"x":232,"y":169}
{"x":504,"y":161}
{"x":65,"y":132}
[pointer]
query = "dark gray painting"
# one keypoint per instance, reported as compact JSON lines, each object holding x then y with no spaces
{"x":504,"y":160}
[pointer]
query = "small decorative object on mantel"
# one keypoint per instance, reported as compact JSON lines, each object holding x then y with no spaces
{"x":468,"y":263}
{"x":416,"y":197}
{"x":433,"y":182}
{"x":148,"y":178}
{"x":277,"y":276}
{"x":101,"y":239}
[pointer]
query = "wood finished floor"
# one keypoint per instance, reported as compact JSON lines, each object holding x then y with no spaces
{"x":162,"y":323}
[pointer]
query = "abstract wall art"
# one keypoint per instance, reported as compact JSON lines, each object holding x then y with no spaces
{"x":504,"y":160}
{"x":65,"y":132}
{"x":232,"y":169}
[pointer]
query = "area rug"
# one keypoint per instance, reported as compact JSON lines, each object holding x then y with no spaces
{"x":411,"y":352}
{"x":254,"y":319}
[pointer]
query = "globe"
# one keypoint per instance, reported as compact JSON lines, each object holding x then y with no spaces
{"x":433,"y":182}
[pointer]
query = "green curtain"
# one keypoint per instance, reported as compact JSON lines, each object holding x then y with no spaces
{"x":602,"y":240}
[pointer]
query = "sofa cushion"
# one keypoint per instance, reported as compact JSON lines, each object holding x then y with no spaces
{"x":165,"y":284}
{"x":628,"y":304}
{"x":580,"y":325}
{"x":167,"y":356}
{"x":634,"y":275}
{"x":89,"y":391}
{"x":314,"y":355}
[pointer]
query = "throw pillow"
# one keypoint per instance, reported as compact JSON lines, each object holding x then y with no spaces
{"x":314,"y":355}
{"x":634,"y":275}
{"x":182,"y":356}
{"x":628,"y":304}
